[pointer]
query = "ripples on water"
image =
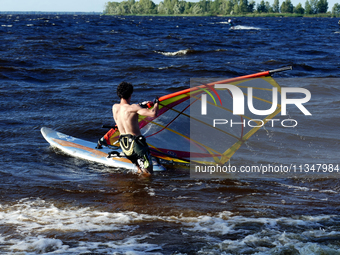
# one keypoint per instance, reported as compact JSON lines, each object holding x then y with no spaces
{"x":61,"y":72}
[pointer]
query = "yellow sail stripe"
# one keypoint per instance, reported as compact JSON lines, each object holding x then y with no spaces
{"x":230,"y":152}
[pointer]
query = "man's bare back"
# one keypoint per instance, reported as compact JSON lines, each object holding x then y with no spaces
{"x":126,"y":116}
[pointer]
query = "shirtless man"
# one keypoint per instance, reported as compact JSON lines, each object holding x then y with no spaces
{"x":131,"y":140}
{"x":231,"y":24}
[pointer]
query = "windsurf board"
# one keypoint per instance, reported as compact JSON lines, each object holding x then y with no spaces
{"x":87,"y":150}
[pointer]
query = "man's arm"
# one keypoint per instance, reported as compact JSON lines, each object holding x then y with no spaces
{"x":148,"y":112}
{"x":114,"y":113}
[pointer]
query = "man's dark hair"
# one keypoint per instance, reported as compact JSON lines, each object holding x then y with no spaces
{"x":124,"y":90}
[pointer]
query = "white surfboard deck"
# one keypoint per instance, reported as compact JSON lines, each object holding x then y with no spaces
{"x":87,"y":150}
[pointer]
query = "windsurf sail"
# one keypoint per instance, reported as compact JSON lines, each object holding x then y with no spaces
{"x":182,"y":132}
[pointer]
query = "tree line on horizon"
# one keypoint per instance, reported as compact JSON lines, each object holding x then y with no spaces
{"x":217,"y":7}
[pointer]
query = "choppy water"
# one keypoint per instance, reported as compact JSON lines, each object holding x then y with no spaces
{"x":62,"y":72}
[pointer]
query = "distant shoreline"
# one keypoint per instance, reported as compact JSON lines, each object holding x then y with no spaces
{"x":278,"y":15}
{"x":249,"y":15}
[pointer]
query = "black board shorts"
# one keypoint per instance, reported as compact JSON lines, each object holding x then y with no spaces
{"x":136,"y":150}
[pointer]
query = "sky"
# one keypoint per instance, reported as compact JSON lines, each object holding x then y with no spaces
{"x":53,"y":5}
{"x":89,"y":5}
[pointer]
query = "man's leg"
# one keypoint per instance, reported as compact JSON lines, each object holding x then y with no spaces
{"x":145,"y":165}
{"x":145,"y":172}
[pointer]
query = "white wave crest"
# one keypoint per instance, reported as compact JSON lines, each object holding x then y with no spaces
{"x":239,"y":27}
{"x":37,"y":226}
{"x":176,"y":53}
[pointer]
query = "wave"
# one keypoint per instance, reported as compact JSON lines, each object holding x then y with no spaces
{"x":176,"y":53}
{"x":306,"y":189}
{"x":274,"y":62}
{"x":239,"y":27}
{"x":313,"y":52}
{"x":191,"y":51}
{"x":138,"y":233}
